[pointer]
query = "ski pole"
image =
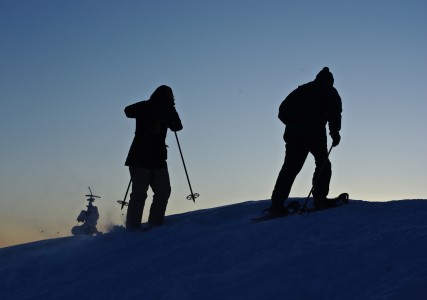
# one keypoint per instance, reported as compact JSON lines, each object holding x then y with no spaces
{"x":192,"y":196}
{"x":123,"y":202}
{"x":315,"y":182}
{"x":132,"y":171}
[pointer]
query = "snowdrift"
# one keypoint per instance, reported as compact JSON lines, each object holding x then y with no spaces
{"x":363,"y":250}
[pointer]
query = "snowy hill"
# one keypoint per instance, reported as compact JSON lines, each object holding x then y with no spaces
{"x":363,"y":250}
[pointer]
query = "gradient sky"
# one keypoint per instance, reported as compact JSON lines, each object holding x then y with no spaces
{"x":68,"y":69}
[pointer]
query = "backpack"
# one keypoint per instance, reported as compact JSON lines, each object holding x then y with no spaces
{"x":290,"y":108}
{"x":304,"y":105}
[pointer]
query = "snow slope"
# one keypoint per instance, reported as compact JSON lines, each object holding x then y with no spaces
{"x":363,"y":250}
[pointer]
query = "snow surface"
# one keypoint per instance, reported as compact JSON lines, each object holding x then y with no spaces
{"x":363,"y":250}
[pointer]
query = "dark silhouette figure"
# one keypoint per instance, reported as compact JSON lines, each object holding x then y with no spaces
{"x":305,"y":112}
{"x":147,"y":155}
{"x":88,"y":217}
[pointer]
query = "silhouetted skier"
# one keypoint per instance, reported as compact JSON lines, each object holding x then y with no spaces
{"x":305,"y":112}
{"x":147,"y":155}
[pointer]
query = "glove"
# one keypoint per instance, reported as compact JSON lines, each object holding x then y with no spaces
{"x":336,"y":138}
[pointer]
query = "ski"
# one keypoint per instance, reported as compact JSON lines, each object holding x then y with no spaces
{"x":295,"y":207}
{"x":342,"y":199}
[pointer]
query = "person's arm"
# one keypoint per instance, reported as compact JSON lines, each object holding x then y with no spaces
{"x":334,"y":117}
{"x":136,"y":110}
{"x":174,"y":120}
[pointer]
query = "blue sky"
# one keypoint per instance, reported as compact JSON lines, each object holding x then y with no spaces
{"x":68,"y":69}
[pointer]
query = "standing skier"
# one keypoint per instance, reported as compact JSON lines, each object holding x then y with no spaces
{"x":147,"y":155}
{"x":305,"y":112}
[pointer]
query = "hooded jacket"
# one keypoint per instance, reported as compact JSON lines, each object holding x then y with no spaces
{"x":153,"y":118}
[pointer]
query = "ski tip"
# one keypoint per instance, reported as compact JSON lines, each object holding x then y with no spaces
{"x":344,"y":196}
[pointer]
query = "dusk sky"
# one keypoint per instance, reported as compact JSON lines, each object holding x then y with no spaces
{"x":69,"y":68}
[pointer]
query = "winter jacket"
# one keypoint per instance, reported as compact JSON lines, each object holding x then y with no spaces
{"x":306,"y":110}
{"x":148,"y":149}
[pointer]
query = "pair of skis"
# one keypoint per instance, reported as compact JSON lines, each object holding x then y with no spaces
{"x":295,"y":207}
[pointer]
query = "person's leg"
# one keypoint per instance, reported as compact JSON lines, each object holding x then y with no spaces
{"x":160,"y":184}
{"x":140,"y":183}
{"x":322,"y":174}
{"x":296,"y":154}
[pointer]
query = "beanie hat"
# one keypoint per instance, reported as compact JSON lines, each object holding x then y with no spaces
{"x":325,"y":76}
{"x":163,"y":94}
